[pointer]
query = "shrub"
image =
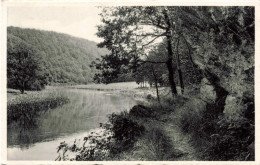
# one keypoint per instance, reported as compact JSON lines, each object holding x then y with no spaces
{"x":125,"y":130}
{"x":149,"y":97}
{"x":36,"y":85}
{"x":118,"y":135}
{"x":95,"y":146}
{"x":141,"y":111}
{"x":232,"y":140}
{"x":218,"y":136}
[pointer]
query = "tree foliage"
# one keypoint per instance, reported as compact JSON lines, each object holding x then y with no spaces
{"x":197,"y":40}
{"x":25,"y":68}
{"x":128,"y":31}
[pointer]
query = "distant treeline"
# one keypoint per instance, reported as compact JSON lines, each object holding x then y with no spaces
{"x":63,"y":58}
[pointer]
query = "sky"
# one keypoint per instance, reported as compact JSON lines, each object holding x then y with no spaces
{"x":78,"y":21}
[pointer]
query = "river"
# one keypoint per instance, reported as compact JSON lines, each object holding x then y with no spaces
{"x":84,"y":112}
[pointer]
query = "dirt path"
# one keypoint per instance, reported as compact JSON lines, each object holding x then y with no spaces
{"x":180,"y":141}
{"x":182,"y":147}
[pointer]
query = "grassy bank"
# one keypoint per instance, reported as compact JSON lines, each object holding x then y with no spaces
{"x":111,"y":86}
{"x":137,"y":135}
{"x":180,"y":128}
{"x":143,"y":133}
{"x":212,"y":135}
{"x":130,"y":89}
{"x":26,"y":106}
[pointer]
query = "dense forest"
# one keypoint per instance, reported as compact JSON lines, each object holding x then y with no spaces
{"x":64,"y":59}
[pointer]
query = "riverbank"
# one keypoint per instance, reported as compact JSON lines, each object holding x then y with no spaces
{"x":84,"y":112}
{"x":141,"y":134}
{"x":160,"y":133}
{"x":130,"y":89}
{"x":147,"y":132}
{"x":25,"y":107}
{"x":186,"y":127}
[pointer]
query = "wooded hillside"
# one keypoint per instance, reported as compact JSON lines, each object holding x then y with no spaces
{"x":66,"y":58}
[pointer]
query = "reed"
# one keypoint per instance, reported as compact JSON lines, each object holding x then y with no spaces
{"x":26,"y":107}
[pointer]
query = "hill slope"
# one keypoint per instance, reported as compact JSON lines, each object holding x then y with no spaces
{"x":66,"y":58}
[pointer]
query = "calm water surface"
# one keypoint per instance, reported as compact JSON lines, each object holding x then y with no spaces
{"x":87,"y":108}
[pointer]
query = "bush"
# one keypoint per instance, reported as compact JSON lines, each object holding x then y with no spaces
{"x":141,"y":111}
{"x":218,"y":136}
{"x":149,"y":97}
{"x":36,"y":85}
{"x":232,"y":140}
{"x":95,"y":146}
{"x":114,"y":137}
{"x":125,"y":130}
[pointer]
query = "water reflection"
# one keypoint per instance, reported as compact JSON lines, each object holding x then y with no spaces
{"x":86,"y":109}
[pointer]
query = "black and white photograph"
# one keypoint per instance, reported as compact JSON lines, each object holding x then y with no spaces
{"x":102,"y":82}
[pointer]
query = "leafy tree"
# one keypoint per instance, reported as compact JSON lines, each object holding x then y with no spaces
{"x":124,"y":34}
{"x":189,"y":32}
{"x":24,"y":66}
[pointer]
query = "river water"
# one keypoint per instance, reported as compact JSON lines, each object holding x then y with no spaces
{"x":84,"y":112}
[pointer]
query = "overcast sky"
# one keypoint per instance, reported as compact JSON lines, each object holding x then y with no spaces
{"x":79,"y":21}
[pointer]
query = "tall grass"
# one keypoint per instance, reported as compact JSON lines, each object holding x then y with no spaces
{"x":215,"y":136}
{"x":26,"y":107}
{"x":156,"y":145}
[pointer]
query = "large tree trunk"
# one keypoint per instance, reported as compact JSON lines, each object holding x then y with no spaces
{"x":170,"y":69}
{"x":170,"y":54}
